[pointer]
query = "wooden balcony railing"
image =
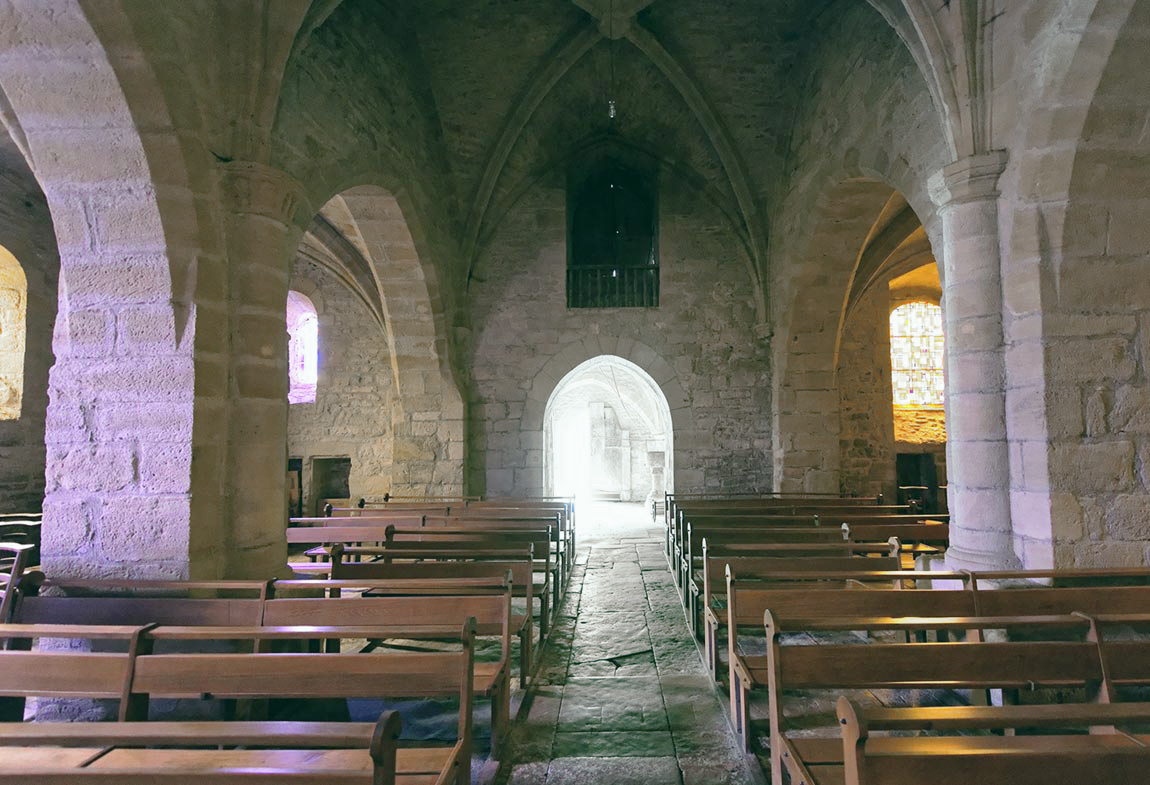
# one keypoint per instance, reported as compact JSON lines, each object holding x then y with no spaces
{"x":607,"y":286}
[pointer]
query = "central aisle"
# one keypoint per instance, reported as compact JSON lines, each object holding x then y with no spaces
{"x":622,"y":696}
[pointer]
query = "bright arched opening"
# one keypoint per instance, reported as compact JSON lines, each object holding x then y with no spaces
{"x":303,"y":348}
{"x":608,"y":433}
{"x":13,"y":333}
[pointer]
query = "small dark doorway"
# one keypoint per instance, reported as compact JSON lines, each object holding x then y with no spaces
{"x":295,"y":487}
{"x":917,"y":478}
{"x":330,"y":482}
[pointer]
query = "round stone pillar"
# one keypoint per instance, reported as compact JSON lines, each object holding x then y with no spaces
{"x":978,"y":458}
{"x":263,"y":208}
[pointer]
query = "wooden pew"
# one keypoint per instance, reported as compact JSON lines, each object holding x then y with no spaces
{"x":462,"y":552}
{"x":763,"y":565}
{"x":522,"y":514}
{"x":78,"y":758}
{"x":420,"y":616}
{"x":1010,"y":759}
{"x":975,"y":665}
{"x":497,"y":535}
{"x":66,"y":673}
{"x":869,"y":526}
{"x":185,"y":603}
{"x":393,"y":544}
{"x":346,"y":752}
{"x":139,"y":602}
{"x":680,"y":510}
{"x":13,"y":562}
{"x":354,"y":534}
{"x":750,"y":534}
{"x":561,"y":507}
{"x":769,"y":518}
{"x":783,"y":557}
{"x":319,"y":539}
{"x":23,"y":529}
{"x":749,"y":599}
{"x":445,"y":574}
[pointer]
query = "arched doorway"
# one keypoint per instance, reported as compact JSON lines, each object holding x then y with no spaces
{"x":608,"y":434}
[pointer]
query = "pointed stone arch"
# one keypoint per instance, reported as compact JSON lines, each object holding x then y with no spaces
{"x":631,"y":455}
{"x":805,"y":429}
{"x":836,"y":261}
{"x":574,"y":354}
{"x":425,"y":447}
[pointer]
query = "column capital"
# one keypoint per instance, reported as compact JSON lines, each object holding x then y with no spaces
{"x":258,"y":189}
{"x":970,"y":179}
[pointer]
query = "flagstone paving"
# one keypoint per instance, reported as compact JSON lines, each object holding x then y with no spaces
{"x":621,"y":696}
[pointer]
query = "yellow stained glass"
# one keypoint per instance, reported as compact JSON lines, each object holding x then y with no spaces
{"x":916,"y":355}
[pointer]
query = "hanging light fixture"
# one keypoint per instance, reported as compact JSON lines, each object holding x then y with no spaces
{"x":611,"y":110}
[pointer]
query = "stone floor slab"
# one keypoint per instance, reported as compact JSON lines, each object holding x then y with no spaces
{"x":625,"y":744}
{"x":614,"y":771}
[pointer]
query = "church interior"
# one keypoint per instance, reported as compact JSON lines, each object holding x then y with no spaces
{"x":569,"y":345}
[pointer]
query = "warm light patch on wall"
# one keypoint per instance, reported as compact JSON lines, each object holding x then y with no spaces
{"x":915,"y":425}
{"x":13,"y":319}
{"x":303,"y":348}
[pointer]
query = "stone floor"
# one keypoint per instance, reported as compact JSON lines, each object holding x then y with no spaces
{"x":621,"y":696}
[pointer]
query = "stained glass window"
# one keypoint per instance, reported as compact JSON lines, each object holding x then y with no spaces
{"x":303,"y":348}
{"x":916,"y":355}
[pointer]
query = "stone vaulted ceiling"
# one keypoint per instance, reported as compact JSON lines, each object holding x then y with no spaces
{"x":520,"y":88}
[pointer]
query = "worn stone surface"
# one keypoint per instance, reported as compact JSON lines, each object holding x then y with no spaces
{"x":625,"y":697}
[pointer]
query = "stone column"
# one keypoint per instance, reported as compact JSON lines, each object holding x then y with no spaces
{"x":978,"y":465}
{"x":263,"y":207}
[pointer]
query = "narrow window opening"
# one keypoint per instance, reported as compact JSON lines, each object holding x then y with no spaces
{"x":13,"y":334}
{"x":303,"y":348}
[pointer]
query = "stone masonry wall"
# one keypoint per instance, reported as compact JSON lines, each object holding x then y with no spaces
{"x":714,"y":373}
{"x":866,"y":424}
{"x":26,"y":231}
{"x":1095,"y":323}
{"x":351,"y":414}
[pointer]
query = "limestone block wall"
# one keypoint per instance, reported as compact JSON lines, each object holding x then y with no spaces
{"x":352,"y":412}
{"x":698,"y":345}
{"x":1076,"y":295}
{"x":26,"y":231}
{"x":866,"y":419}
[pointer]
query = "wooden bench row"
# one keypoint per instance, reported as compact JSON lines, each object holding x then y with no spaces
{"x":919,"y":535}
{"x":680,"y":511}
{"x":1095,"y":666}
{"x":133,"y":750}
{"x":967,"y":610}
{"x":541,"y":533}
{"x":419,"y":608}
{"x":21,"y":529}
{"x":535,"y":575}
{"x":559,"y":510}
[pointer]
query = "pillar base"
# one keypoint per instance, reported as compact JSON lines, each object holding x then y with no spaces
{"x":958,"y":558}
